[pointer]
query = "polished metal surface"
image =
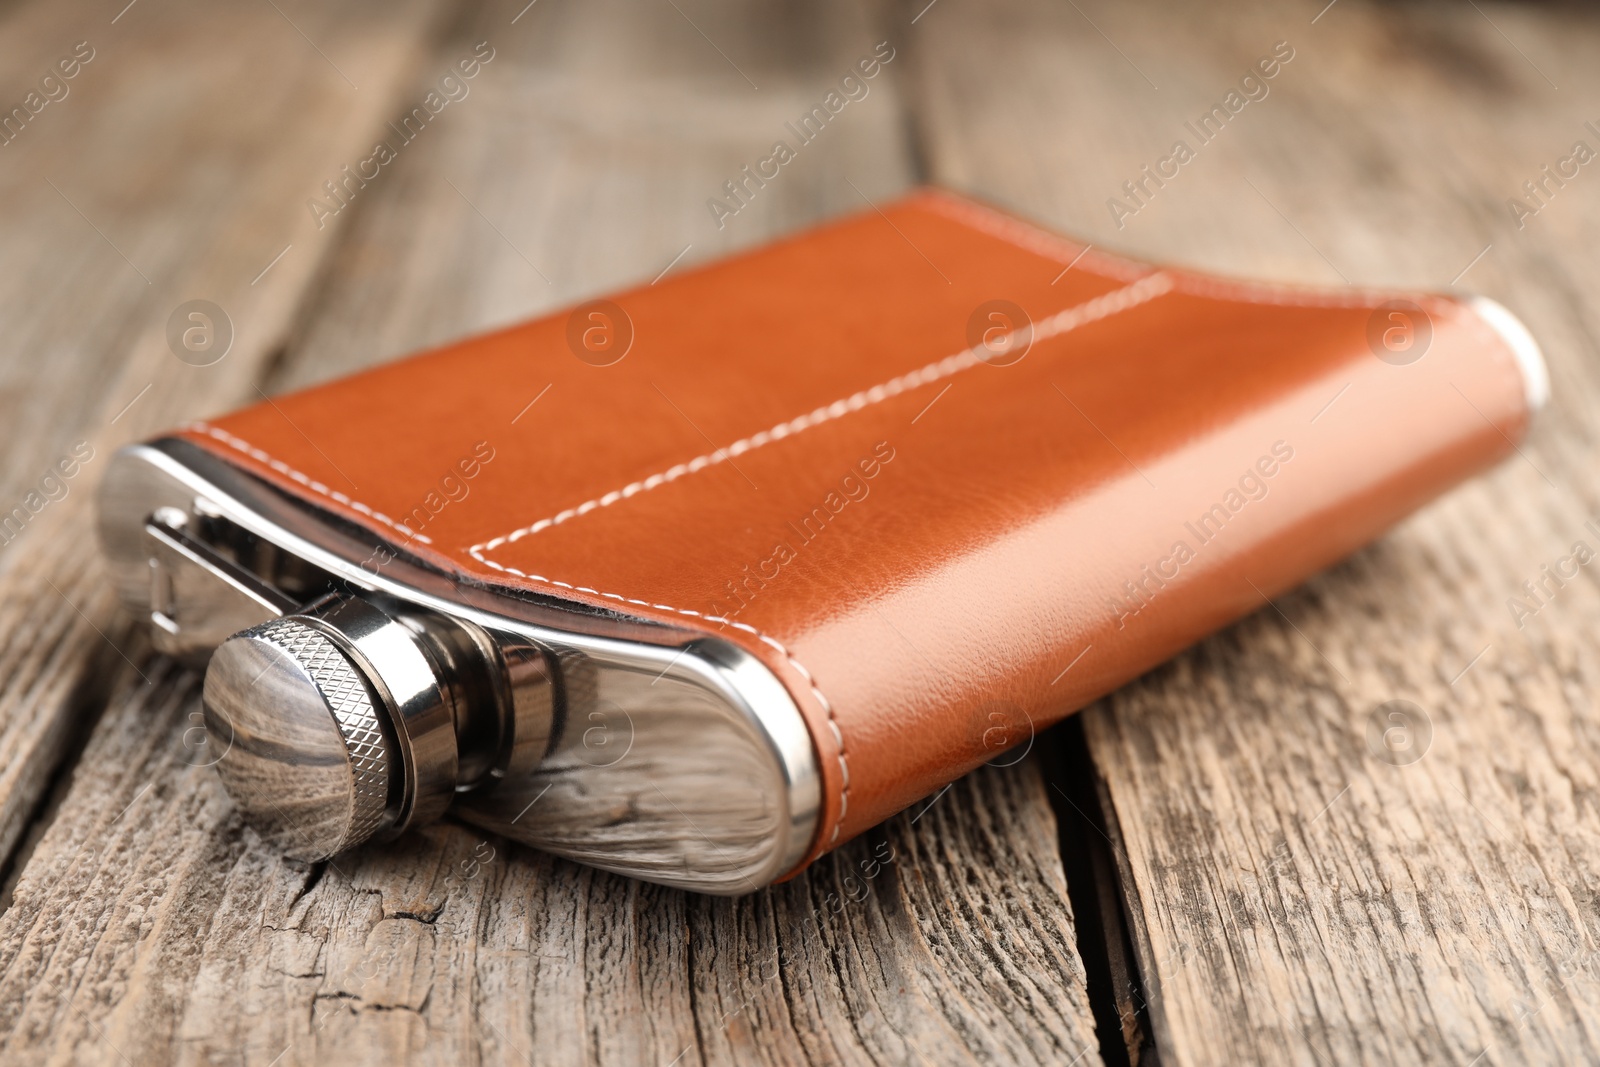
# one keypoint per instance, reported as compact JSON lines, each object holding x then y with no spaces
{"x":198,"y":598}
{"x":654,"y":751}
{"x":502,"y":691}
{"x":1524,"y":349}
{"x":308,"y":761}
{"x":438,"y":689}
{"x":414,"y":691}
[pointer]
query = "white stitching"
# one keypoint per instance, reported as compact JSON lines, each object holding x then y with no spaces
{"x":315,"y":486}
{"x":1042,"y":242}
{"x":1281,"y":295}
{"x":1107,"y":304}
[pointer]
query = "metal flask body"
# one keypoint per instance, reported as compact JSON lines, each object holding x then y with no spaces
{"x":352,"y":692}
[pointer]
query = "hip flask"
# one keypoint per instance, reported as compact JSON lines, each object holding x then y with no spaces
{"x":699,"y":581}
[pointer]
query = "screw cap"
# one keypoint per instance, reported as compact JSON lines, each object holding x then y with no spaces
{"x":309,"y":763}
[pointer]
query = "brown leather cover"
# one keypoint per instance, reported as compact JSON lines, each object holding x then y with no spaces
{"x":936,"y":553}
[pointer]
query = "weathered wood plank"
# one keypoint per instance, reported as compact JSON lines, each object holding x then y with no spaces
{"x":174,"y":168}
{"x":583,"y":160}
{"x":1295,"y":897}
{"x":584,"y":155}
{"x":151,"y":925}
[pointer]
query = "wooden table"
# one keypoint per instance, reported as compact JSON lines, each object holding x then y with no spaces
{"x":1211,"y":866}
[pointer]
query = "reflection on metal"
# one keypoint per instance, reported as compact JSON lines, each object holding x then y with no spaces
{"x":412,"y":687}
{"x":311,"y":760}
{"x":197,"y":597}
{"x":653,"y":751}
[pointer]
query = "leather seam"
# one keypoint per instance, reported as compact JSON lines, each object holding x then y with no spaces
{"x":1282,"y":295}
{"x":1065,"y":321}
{"x":1004,"y":227}
{"x":241,"y":445}
{"x":1032,"y":238}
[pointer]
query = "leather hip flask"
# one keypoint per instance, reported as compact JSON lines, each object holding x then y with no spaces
{"x":700,"y":581}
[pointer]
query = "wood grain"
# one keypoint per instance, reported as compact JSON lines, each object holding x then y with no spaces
{"x":175,"y":168}
{"x":1292,"y":897}
{"x":148,"y":925}
{"x":1295,"y":897}
{"x":152,"y":927}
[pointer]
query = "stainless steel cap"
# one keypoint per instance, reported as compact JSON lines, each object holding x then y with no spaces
{"x":308,"y":763}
